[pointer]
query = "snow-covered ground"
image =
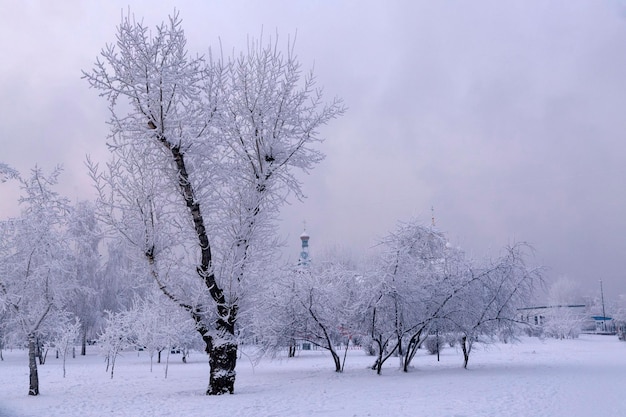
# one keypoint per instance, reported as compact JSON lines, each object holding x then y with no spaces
{"x":569,"y":378}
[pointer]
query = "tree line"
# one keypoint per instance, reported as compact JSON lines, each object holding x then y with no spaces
{"x":65,"y":280}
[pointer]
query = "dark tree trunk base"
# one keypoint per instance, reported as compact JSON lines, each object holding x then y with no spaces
{"x":83,"y":342}
{"x":222,"y":359}
{"x":33,"y":389}
{"x":292,"y":349}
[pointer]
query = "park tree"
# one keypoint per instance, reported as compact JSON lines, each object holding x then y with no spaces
{"x":416,"y":279}
{"x":67,"y":332}
{"x":203,"y":156}
{"x":321,"y":304}
{"x":488,"y":303}
{"x":115,"y":336}
{"x":36,"y":279}
{"x":381,"y":325}
{"x":431,"y":287}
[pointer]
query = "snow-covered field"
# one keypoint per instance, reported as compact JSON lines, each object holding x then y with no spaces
{"x":569,"y":378}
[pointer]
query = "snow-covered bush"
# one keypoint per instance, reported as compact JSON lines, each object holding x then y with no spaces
{"x":433,"y":344}
{"x":451,"y":339}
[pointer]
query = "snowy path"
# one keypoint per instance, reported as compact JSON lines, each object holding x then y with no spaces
{"x":570,"y":378}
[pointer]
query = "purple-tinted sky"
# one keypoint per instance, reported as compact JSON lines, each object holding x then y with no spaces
{"x":506,"y":117}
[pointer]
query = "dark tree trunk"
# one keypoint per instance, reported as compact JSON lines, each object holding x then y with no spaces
{"x":222,"y":351}
{"x":221,"y":346}
{"x":345,"y":354}
{"x":83,"y":342}
{"x":328,"y":340}
{"x":39,"y":351}
{"x":336,"y":359}
{"x":411,"y":349}
{"x":382,"y":354}
{"x":382,"y":345}
{"x":378,"y":365}
{"x":32,"y":365}
{"x":466,"y":351}
{"x":222,"y":361}
{"x":292,"y":348}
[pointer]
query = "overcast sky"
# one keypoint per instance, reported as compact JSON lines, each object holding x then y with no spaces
{"x":508,"y":118}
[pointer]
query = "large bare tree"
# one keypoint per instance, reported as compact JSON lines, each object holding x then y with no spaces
{"x":203,"y":156}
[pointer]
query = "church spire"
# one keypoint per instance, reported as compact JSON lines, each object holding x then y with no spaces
{"x":304,"y":252}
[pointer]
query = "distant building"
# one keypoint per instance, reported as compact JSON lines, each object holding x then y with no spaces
{"x":560,"y":321}
{"x":603,"y":325}
{"x":566,"y":320}
{"x":539,"y":315}
{"x":305,"y":258}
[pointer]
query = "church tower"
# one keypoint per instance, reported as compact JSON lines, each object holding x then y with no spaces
{"x":304,"y":252}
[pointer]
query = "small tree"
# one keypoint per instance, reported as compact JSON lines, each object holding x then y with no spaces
{"x":382,"y":320}
{"x":418,"y":275}
{"x":36,"y":261}
{"x":489,"y":304}
{"x":320,"y":303}
{"x":66,"y":336}
{"x":115,"y":337}
{"x":329,"y":299}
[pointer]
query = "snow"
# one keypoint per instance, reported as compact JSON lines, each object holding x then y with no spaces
{"x":582,"y":377}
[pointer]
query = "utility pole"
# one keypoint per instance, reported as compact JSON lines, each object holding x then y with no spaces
{"x":603,"y":312}
{"x":432,"y":211}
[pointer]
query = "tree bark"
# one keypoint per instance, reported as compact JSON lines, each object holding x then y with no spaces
{"x":222,"y":360}
{"x":32,"y":365}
